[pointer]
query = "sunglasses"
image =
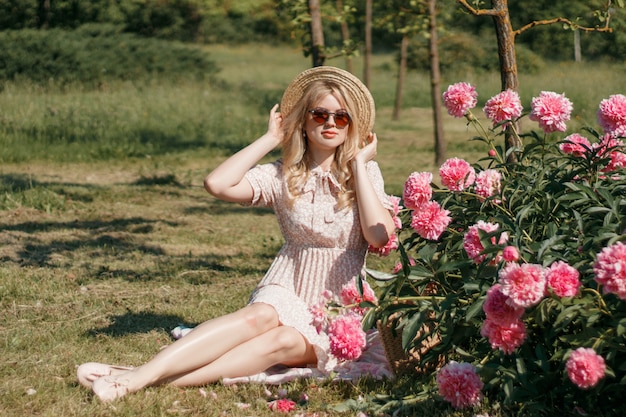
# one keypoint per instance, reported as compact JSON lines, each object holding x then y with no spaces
{"x":321,"y":116}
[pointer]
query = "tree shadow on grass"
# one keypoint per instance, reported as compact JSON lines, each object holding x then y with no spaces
{"x":105,"y":236}
{"x":139,"y":322}
{"x":96,"y":226}
{"x":111,"y":248}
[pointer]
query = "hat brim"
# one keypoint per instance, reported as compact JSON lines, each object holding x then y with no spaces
{"x":363,"y":100}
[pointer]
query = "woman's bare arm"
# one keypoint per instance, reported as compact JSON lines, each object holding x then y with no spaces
{"x":227,"y":182}
{"x":376,"y":221}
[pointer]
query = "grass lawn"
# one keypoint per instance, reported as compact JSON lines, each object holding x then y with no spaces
{"x":102,"y":256}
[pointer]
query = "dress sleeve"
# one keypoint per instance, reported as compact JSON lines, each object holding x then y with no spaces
{"x":376,"y":177}
{"x":266,"y":183}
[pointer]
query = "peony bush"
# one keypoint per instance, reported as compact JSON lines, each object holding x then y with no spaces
{"x":527,"y":260}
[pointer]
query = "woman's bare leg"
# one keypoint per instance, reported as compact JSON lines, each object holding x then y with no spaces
{"x":203,"y":345}
{"x":281,"y":345}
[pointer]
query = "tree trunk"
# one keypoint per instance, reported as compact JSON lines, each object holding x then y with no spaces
{"x":317,"y":34}
{"x":508,"y":65}
{"x":368,"y":42}
{"x":506,"y":46}
{"x":345,"y":33}
{"x":404,"y":47}
{"x":435,"y":82}
{"x":44,"y":14}
{"x":577,"y":52}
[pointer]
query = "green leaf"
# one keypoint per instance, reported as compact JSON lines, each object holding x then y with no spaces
{"x":369,"y":320}
{"x":451,"y":266}
{"x":592,"y":210}
{"x":473,"y":310}
{"x":567,"y":316}
{"x":621,"y":327}
{"x":380,"y":275}
{"x":548,"y":244}
{"x":411,"y":328}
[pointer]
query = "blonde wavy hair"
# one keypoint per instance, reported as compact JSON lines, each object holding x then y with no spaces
{"x":296,"y":160}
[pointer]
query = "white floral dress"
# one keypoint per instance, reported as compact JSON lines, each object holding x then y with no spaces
{"x":323,"y":249}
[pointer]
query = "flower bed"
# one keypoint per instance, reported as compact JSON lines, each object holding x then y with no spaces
{"x":527,"y":260}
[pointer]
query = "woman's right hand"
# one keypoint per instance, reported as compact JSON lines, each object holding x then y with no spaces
{"x":275,"y":124}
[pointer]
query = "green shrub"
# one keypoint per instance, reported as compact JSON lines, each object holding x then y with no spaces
{"x":63,"y":57}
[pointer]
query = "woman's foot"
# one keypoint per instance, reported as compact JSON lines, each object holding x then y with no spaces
{"x":109,"y":388}
{"x":88,"y":372}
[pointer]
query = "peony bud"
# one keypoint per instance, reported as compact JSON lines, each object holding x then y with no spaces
{"x":510,"y":254}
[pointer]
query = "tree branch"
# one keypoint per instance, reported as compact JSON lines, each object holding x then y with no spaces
{"x":478,"y":12}
{"x":530,"y":25}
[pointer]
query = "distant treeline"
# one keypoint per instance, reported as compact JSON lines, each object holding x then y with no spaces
{"x":183,"y":20}
{"x":241,"y":21}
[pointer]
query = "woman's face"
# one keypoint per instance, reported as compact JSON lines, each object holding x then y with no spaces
{"x":326,"y":134}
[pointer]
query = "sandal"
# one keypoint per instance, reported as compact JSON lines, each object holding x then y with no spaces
{"x":109,"y":388}
{"x":88,"y":372}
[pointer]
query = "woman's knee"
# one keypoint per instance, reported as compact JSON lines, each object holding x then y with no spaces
{"x":261,"y":316}
{"x":292,"y":347}
{"x":287,"y":338}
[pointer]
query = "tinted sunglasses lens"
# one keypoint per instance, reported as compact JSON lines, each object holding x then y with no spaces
{"x":320,"y":116}
{"x":342,"y":119}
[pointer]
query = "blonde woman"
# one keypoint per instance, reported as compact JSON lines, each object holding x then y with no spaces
{"x":328,"y":196}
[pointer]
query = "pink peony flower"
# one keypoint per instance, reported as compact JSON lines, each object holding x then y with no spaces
{"x":459,"y":384}
{"x":575,"y":144}
{"x":607,"y":144}
{"x":563,"y":279}
{"x":504,"y":336}
{"x":457,"y":174}
{"x":390,"y":246}
{"x":504,"y":106}
{"x":430,"y":220}
{"x":610,"y":269}
{"x":525,"y":284}
{"x":612,"y":113}
{"x":551,"y":111}
{"x":620,"y":132}
{"x":350,"y":294}
{"x":319,"y":313}
{"x":347,"y":338}
{"x":488,"y":183}
{"x":474,"y":247}
{"x":459,"y":98}
{"x":499,"y":308}
{"x":397,"y":222}
{"x":398,"y":267}
{"x":510,"y":254}
{"x":417,"y":189}
{"x":585,"y":367}
{"x":396,"y":208}
{"x":618,"y":161}
{"x":612,"y":147}
{"x":395,"y":202}
{"x":282,"y":405}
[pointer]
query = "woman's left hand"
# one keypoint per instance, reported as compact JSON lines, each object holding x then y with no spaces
{"x":368,"y":152}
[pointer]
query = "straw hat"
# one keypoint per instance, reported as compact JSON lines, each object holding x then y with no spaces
{"x":365,"y":109}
